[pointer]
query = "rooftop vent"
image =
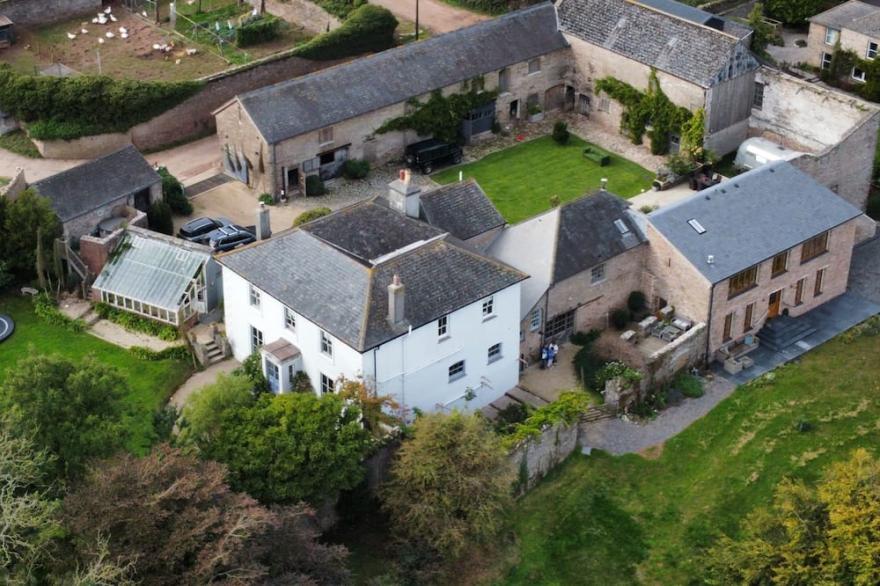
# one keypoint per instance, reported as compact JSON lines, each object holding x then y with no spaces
{"x":697,"y":226}
{"x":621,"y":227}
{"x":710,"y":259}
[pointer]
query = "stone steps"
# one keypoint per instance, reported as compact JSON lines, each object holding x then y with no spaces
{"x":598,"y":413}
{"x":213,"y":352}
{"x":783,"y":331}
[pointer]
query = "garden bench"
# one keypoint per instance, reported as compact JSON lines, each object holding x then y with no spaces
{"x":597,"y":156}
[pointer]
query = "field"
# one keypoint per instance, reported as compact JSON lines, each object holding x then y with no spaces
{"x":151,"y":382}
{"x":521,"y":180}
{"x":608,"y":520}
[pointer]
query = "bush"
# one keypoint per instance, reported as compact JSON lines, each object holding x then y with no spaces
{"x":159,"y":218}
{"x":314,"y":186}
{"x":252,"y":369}
{"x":561,"y":133}
{"x":46,"y":309}
{"x":534,"y":109}
{"x":170,"y":353}
{"x":356,"y":169}
{"x":310,"y":215}
{"x":586,"y":362}
{"x":257,"y":30}
{"x":340,"y":8}
{"x":368,"y":28}
{"x":689,"y":385}
{"x":637,"y":302}
{"x":620,"y":317}
{"x":136,"y":323}
{"x":267,"y":199}
{"x":584,"y":338}
{"x":174,"y":194}
{"x":508,"y":418}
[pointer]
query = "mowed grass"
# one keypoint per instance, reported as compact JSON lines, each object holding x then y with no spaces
{"x":625,"y":520}
{"x":521,"y":180}
{"x":151,"y":382}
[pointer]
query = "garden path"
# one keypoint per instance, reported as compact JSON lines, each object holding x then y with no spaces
{"x":201,"y":379}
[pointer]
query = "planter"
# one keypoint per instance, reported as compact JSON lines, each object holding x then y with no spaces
{"x":536,"y":117}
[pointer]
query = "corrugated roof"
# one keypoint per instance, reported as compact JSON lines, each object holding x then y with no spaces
{"x":750,"y":218}
{"x":151,"y":270}
{"x":320,"y":99}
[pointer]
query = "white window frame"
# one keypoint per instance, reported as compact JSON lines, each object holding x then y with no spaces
{"x":536,"y":318}
{"x":456,"y":371}
{"x":832,"y":35}
{"x":535,"y":65}
{"x":493,"y":354}
{"x":598,"y":274}
{"x":489,"y":307}
{"x":871,"y":51}
{"x":254,"y":296}
{"x":443,"y":327}
{"x":328,"y":385}
{"x":326,"y":344}
{"x":861,"y":77}
{"x":256,"y":339}
{"x":825,"y":62}
{"x":289,"y":319}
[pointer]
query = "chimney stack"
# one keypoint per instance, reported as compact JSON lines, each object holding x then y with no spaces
{"x":396,"y":292}
{"x":404,"y":196}
{"x":263,"y":229}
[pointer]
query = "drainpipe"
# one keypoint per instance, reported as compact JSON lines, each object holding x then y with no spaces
{"x":273,"y":188}
{"x":709,"y":322}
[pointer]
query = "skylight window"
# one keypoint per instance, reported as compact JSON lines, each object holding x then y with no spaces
{"x":621,"y":227}
{"x":697,"y":226}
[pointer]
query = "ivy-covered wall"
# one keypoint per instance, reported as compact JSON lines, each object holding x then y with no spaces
{"x":440,"y":116}
{"x":840,"y":74}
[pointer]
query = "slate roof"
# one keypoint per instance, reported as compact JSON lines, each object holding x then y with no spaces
{"x":462,"y":209}
{"x":345,"y":292}
{"x":92,"y":185}
{"x":660,"y":39}
{"x":320,"y":99}
{"x":854,"y":15}
{"x":751,"y":218}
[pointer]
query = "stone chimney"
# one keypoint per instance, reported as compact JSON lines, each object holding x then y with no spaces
{"x":263,"y":229}
{"x":396,"y":292}
{"x":404,"y":195}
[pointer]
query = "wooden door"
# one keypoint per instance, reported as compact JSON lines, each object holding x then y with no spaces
{"x":775,"y":302}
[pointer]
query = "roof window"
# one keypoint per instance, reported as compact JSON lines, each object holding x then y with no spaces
{"x":697,"y":226}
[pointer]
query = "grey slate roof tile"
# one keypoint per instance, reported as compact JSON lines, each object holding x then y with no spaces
{"x":854,"y":15}
{"x":462,"y":209}
{"x":751,"y":218}
{"x":91,"y":185}
{"x":320,"y":99}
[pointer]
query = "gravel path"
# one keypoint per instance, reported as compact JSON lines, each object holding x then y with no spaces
{"x":618,"y":436}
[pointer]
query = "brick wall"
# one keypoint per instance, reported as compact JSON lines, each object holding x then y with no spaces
{"x":42,"y":12}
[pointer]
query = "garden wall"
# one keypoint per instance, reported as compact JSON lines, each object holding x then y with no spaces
{"x":535,"y":458}
{"x":686,"y":352}
{"x":86,"y":147}
{"x":42,"y":12}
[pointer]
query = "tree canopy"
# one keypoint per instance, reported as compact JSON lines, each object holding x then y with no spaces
{"x":21,"y":221}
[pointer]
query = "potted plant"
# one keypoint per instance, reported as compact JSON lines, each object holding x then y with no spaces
{"x":536,"y":114}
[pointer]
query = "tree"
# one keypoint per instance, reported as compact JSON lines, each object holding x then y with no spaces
{"x":174,"y":520}
{"x":204,"y":412}
{"x":159,"y":218}
{"x":829,"y":534}
{"x":26,"y":217}
{"x":375,"y":409}
{"x":763,"y":32}
{"x":450,"y":484}
{"x":174,"y":194}
{"x":794,"y":11}
{"x":286,"y":448}
{"x":72,"y":411}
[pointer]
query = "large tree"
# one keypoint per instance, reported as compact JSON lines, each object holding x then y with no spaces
{"x":795,"y":11}
{"x":279,"y":448}
{"x":174,"y":519}
{"x":450,"y":484}
{"x":829,"y":534}
{"x":26,"y":216}
{"x":73,"y":411}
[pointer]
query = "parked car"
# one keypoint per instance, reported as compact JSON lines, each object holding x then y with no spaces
{"x":229,"y":237}
{"x":429,"y":154}
{"x":199,"y":229}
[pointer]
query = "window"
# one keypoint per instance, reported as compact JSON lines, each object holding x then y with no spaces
{"x":289,"y":320}
{"x":858,"y":74}
{"x":535,"y":65}
{"x":780,"y":264}
{"x":832,"y":35}
{"x":604,"y":104}
{"x":326,"y":344}
{"x":597,"y":274}
{"x":494,"y":353}
{"x":799,"y":291}
{"x":747,"y":320}
{"x":535,"y":319}
{"x":742,"y":281}
{"x":758,"y":98}
{"x":255,"y":297}
{"x":456,"y":371}
{"x":256,"y":339}
{"x":478,"y":84}
{"x":328,"y":385}
{"x":697,"y":226}
{"x":325,"y":135}
{"x":559,"y":324}
{"x":820,"y":282}
{"x":814,"y":247}
{"x":443,"y":327}
{"x":488,"y":307}
{"x":826,"y":61}
{"x":503,"y":81}
{"x":728,"y":324}
{"x":871,"y":53}
{"x":291,"y":375}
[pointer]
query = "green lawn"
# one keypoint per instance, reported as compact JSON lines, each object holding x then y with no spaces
{"x":624,"y":520}
{"x":151,"y":382}
{"x":521,"y":180}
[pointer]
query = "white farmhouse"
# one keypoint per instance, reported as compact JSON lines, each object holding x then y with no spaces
{"x":372,"y":292}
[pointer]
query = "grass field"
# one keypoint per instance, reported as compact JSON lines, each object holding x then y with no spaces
{"x":151,"y":382}
{"x":607,"y":520}
{"x":521,"y":180}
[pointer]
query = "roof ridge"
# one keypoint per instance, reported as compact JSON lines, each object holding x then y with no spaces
{"x":90,"y":162}
{"x":684,"y":20}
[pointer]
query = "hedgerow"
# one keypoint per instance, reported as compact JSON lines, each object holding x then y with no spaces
{"x":368,"y":28}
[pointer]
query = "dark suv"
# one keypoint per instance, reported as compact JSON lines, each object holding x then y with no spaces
{"x":429,"y":154}
{"x":199,"y":229}
{"x":229,"y":237}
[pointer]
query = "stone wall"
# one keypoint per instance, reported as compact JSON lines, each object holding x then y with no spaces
{"x":87,"y":147}
{"x":535,"y":458}
{"x":686,"y":352}
{"x":669,"y":275}
{"x":42,"y":12}
{"x":18,"y":184}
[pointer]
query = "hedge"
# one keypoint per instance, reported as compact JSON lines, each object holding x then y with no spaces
{"x":340,"y":8}
{"x":368,"y":28}
{"x":261,"y":29}
{"x":309,"y":215}
{"x":136,"y":323}
{"x":174,"y":194}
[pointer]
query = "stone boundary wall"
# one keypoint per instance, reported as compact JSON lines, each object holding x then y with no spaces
{"x":535,"y":458}
{"x":688,"y":351}
{"x":86,"y":147}
{"x":42,"y":12}
{"x":18,"y":184}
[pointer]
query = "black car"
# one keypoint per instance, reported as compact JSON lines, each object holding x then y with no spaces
{"x":199,"y":229}
{"x":429,"y":154}
{"x":229,"y":237}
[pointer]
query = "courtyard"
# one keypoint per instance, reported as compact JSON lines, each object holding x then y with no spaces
{"x":522,"y":180}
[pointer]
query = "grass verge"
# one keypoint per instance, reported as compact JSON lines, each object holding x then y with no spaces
{"x":19,"y":143}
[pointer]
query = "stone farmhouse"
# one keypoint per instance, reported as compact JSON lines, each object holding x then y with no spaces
{"x":854,"y":25}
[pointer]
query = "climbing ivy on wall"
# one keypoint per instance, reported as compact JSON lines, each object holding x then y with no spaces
{"x":440,"y":116}
{"x":839,"y":73}
{"x":641,"y":109}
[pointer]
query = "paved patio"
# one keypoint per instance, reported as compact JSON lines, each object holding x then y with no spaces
{"x":549,"y":383}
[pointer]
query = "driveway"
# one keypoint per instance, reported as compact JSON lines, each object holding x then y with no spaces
{"x":34,"y":169}
{"x":192,"y":161}
{"x":435,"y":15}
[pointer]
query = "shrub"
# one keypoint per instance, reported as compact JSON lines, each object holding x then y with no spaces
{"x":267,"y":199}
{"x":170,"y":353}
{"x":873,"y":206}
{"x":637,"y":302}
{"x":534,"y":109}
{"x":159,"y":218}
{"x":689,"y":385}
{"x":136,"y":323}
{"x":356,"y":169}
{"x":369,"y":28}
{"x":314,"y":186}
{"x":340,"y":8}
{"x":586,"y":362}
{"x":566,"y":409}
{"x":561,"y":133}
{"x":257,"y":30}
{"x":310,"y":215}
{"x":252,"y":369}
{"x":174,"y":194}
{"x":301,"y":383}
{"x":508,"y":418}
{"x":584,"y":338}
{"x":620,"y":317}
{"x":46,"y":309}
{"x":620,"y":370}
